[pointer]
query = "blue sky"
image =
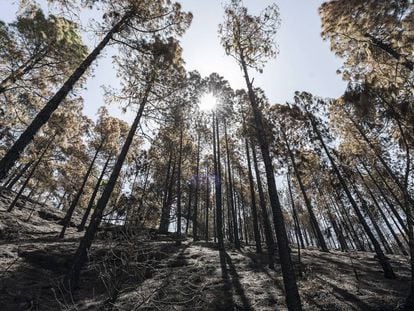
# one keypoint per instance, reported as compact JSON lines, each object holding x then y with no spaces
{"x":305,"y":62}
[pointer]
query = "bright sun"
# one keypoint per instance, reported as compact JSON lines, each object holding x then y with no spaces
{"x":207,"y":102}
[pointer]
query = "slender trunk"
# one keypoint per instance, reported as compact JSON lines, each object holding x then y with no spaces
{"x":80,"y":256}
{"x":195,"y":217}
{"x":180,"y":156}
{"x":142,"y":199}
{"x":207,"y":203}
{"x":298,"y":232}
{"x":256,"y":231}
{"x":71,"y":209}
{"x":190,"y":196}
{"x":231,"y":200}
{"x":388,"y":271}
{"x":217,"y":177}
{"x":94,"y":194}
{"x":13,"y":154}
{"x":270,"y":243}
{"x":165,"y":212}
{"x":229,"y":218}
{"x":242,"y":202}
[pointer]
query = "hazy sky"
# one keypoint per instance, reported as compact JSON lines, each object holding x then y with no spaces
{"x":304,"y":63}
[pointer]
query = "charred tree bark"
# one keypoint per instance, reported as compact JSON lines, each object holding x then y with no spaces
{"x":80,"y":256}
{"x":69,"y":212}
{"x":94,"y":194}
{"x":256,"y":231}
{"x":270,"y":243}
{"x":217,"y":176}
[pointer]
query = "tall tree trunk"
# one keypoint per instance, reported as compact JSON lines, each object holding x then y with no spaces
{"x":180,"y":157}
{"x":93,"y":196}
{"x":242,"y":202}
{"x":289,"y":277}
{"x":388,"y":271}
{"x":13,"y":154}
{"x":80,"y":256}
{"x":207,"y":203}
{"x":319,"y":236}
{"x":256,"y":231}
{"x":231,"y":200}
{"x":270,"y":243}
{"x":197,"y":180}
{"x":142,"y":199}
{"x":230,"y":231}
{"x":71,"y":209}
{"x":217,"y":182}
{"x":190,"y":197}
{"x":169,"y":180}
{"x":298,"y":231}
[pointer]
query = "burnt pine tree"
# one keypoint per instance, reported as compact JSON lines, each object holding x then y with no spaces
{"x":249,"y":39}
{"x":162,"y":62}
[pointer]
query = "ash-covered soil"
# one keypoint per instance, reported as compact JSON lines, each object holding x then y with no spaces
{"x":141,"y":270}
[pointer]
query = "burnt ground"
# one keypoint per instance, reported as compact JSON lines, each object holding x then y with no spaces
{"x":146,"y":271}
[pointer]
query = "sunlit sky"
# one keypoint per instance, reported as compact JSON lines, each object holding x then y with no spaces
{"x":304,"y":63}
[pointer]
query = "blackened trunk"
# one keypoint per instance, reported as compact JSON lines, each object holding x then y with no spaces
{"x":270,"y":243}
{"x":93,"y":196}
{"x":169,"y":182}
{"x":256,"y":231}
{"x":298,"y":231}
{"x":180,"y":156}
{"x":71,"y":209}
{"x":230,"y":183}
{"x":80,"y":256}
{"x":289,"y":277}
{"x":217,"y":182}
{"x":207,"y":204}
{"x":62,"y":199}
{"x":190,"y":196}
{"x":197,"y":180}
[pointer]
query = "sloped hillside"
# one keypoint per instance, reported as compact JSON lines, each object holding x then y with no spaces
{"x":146,"y":271}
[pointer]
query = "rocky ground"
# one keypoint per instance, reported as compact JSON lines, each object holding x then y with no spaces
{"x":145,"y":271}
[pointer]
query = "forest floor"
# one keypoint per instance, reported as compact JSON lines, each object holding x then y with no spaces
{"x":147,"y":271}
